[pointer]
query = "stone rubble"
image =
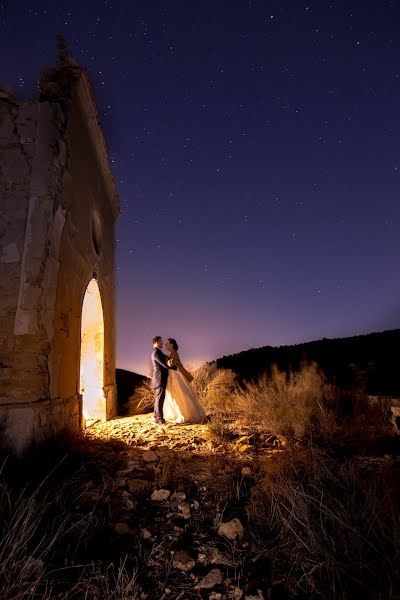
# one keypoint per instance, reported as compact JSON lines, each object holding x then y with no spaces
{"x":213,"y":578}
{"x":164,"y":505}
{"x":160,"y":495}
{"x":183,"y":561}
{"x":231,"y":530}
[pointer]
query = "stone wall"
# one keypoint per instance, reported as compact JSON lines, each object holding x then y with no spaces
{"x":57,"y":213}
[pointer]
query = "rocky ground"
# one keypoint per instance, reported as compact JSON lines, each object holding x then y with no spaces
{"x":179,"y":509}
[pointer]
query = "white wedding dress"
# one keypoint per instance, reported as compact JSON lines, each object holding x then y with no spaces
{"x":181,"y":404}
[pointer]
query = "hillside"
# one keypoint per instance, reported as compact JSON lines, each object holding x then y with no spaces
{"x":127,"y":382}
{"x":370,"y":361}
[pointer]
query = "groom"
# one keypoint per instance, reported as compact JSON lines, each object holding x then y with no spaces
{"x":160,"y":378}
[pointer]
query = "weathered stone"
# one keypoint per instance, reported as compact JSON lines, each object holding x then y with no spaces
{"x":149,"y":456}
{"x":231,"y":530}
{"x":160,"y":495}
{"x":259,"y":596}
{"x":182,"y":561}
{"x":235,"y":593}
{"x":58,"y":206}
{"x":184,"y":507}
{"x":246,"y":472}
{"x":122,"y":528}
{"x":216,"y":558}
{"x":213,"y":578}
{"x":145,"y":534}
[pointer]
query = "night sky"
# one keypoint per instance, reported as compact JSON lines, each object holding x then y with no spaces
{"x":256,"y":151}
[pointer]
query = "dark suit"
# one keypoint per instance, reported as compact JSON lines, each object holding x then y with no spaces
{"x":159,"y":382}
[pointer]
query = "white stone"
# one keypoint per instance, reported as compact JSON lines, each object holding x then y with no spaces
{"x":185,"y":510}
{"x":213,"y":578}
{"x":122,"y":528}
{"x":149,"y":456}
{"x":160,"y":495}
{"x":231,"y":530}
{"x":145,"y":533}
{"x":182,"y":561}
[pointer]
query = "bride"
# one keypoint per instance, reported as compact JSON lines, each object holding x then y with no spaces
{"x":181,"y":404}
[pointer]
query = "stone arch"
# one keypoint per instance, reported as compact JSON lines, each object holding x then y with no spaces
{"x":91,"y":382}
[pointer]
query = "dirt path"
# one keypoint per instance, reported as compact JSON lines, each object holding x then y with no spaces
{"x":176,"y":488}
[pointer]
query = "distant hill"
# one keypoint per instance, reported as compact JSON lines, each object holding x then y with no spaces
{"x":371,"y":361}
{"x":127,"y":382}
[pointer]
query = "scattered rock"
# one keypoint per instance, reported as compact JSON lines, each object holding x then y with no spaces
{"x":246,"y":472}
{"x":122,"y":528}
{"x":149,"y":456}
{"x":184,"y":507}
{"x":213,"y":578}
{"x":235,"y":593}
{"x":215,"y":596}
{"x":216,"y":558}
{"x":145,"y":534}
{"x":160,"y":495}
{"x":129,"y":504}
{"x":231,"y":530}
{"x":259,"y":596}
{"x":182,"y":561}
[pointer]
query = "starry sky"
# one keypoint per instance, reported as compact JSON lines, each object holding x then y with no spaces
{"x":255,"y":147}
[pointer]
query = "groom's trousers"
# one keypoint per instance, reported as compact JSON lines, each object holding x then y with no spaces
{"x":159,"y":403}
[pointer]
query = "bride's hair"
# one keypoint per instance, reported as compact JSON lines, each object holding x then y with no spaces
{"x":173,"y":343}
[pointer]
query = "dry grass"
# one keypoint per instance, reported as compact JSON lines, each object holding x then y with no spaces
{"x":48,"y":530}
{"x":333,"y":528}
{"x":215,"y":388}
{"x":142,"y":401}
{"x":300,"y":405}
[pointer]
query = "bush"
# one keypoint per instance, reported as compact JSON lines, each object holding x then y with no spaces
{"x":215,"y":388}
{"x":298,"y":405}
{"x":142,"y":400}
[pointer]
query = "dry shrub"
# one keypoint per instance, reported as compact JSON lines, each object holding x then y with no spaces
{"x":142,"y":400}
{"x":215,"y":387}
{"x":333,"y":528}
{"x":296,"y":404}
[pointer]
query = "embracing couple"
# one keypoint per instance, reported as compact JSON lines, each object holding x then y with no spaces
{"x":175,"y":399}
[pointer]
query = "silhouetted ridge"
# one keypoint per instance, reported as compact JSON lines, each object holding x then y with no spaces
{"x":370,"y":361}
{"x":127,"y":382}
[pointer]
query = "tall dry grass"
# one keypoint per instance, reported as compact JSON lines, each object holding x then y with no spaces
{"x":141,"y":401}
{"x":215,"y":388}
{"x":332,"y":527}
{"x":300,"y":404}
{"x":48,"y":531}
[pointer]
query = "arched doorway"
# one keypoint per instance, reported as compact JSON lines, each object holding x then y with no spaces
{"x":92,"y":355}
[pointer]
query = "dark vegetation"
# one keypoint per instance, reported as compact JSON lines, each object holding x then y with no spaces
{"x":319,"y":502}
{"x":127,"y":384}
{"x":368,"y":363}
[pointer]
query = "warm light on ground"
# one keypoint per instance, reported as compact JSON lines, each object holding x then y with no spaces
{"x":92,"y":354}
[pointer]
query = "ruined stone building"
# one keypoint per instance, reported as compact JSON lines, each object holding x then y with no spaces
{"x":58,"y":206}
